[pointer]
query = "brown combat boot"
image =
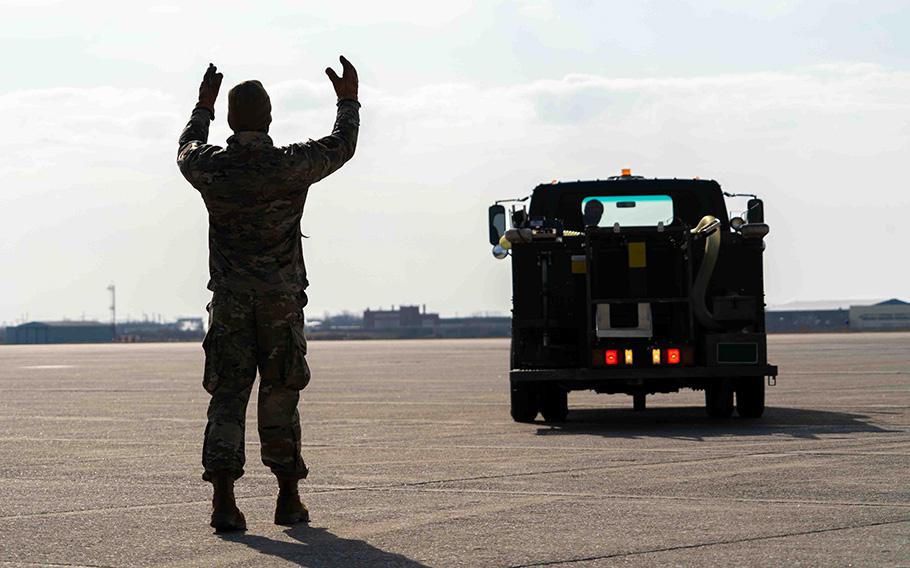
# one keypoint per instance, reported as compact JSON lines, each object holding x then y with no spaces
{"x":226,"y":517}
{"x":289,"y":510}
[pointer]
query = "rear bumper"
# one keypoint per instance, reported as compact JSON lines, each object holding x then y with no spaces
{"x":681,"y":374}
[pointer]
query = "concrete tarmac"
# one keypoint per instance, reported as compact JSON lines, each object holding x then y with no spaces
{"x":415,"y":462}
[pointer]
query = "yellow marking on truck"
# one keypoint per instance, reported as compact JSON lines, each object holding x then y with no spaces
{"x":579,"y":264}
{"x":637,"y":255}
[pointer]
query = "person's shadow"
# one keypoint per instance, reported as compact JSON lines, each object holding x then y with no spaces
{"x":317,"y":547}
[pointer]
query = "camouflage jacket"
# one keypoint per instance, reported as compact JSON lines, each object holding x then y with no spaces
{"x":255,"y":193}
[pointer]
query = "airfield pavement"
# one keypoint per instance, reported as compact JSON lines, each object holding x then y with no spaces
{"x":415,"y":462}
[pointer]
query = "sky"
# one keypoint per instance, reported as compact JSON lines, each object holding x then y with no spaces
{"x":806,"y":103}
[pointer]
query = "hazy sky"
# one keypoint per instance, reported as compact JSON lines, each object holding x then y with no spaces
{"x":806,"y":103}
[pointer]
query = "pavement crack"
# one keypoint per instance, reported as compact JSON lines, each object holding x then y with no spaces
{"x":613,"y":465}
{"x":707,"y":544}
{"x":630,"y":496}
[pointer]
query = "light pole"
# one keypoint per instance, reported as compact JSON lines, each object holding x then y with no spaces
{"x":113,"y":290}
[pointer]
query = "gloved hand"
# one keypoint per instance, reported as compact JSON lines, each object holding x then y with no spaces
{"x":346,"y":85}
{"x":208,"y":90}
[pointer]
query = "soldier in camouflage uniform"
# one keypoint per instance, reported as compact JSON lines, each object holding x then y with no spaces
{"x":255,"y":194}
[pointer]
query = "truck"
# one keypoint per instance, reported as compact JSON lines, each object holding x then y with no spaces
{"x":634,"y":286}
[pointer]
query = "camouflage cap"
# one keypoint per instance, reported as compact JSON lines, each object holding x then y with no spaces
{"x":249,"y":107}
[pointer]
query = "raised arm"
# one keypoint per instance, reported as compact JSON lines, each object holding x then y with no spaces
{"x":317,"y":159}
{"x":195,"y":135}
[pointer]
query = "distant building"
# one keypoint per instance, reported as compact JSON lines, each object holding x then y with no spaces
{"x":342,"y":321}
{"x":403,"y":317}
{"x":807,"y":321}
{"x":60,"y":332}
{"x":890,"y":315}
{"x":183,"y":329}
{"x":843,"y":316}
{"x":487,"y":326}
{"x":407,"y":322}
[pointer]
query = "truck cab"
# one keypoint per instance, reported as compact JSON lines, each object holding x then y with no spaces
{"x":634,"y":286}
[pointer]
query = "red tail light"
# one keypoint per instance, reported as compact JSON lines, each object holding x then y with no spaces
{"x":673,"y":356}
{"x":611,"y":357}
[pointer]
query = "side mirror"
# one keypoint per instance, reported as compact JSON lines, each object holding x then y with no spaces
{"x":497,"y":218}
{"x":500,"y":252}
{"x":755,"y":211}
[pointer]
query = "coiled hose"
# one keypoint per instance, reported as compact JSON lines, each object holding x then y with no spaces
{"x":697,"y":295}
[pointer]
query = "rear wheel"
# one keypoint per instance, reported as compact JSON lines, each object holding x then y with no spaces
{"x":750,"y":397}
{"x":554,"y":403}
{"x":719,"y":399}
{"x":524,"y":403}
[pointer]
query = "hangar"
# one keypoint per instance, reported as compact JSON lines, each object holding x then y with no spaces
{"x":891,"y":314}
{"x":60,"y":332}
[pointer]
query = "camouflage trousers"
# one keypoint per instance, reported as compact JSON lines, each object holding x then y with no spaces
{"x":245,"y":333}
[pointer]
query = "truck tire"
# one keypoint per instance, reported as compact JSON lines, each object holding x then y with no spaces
{"x":750,"y":397}
{"x":524,"y":403}
{"x":513,"y":352}
{"x":719,"y":399}
{"x":554,"y":403}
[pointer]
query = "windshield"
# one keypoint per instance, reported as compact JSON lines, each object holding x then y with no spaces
{"x":627,"y":210}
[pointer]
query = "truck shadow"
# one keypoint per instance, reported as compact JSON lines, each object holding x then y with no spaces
{"x":692,"y":423}
{"x":316,"y":547}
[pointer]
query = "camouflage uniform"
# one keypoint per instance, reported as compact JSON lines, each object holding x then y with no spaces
{"x":255,"y":194}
